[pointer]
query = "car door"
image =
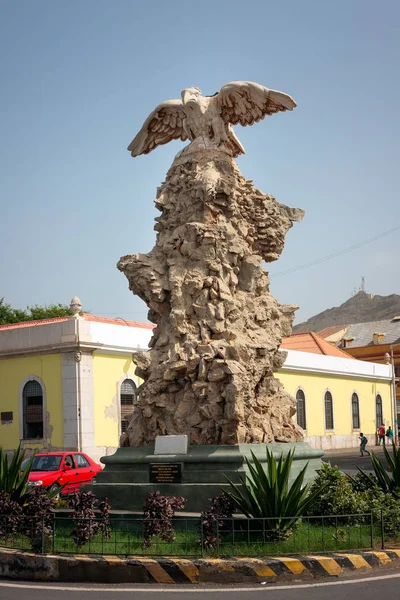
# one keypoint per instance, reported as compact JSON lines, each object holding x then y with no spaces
{"x":85,"y":471}
{"x":70,"y":478}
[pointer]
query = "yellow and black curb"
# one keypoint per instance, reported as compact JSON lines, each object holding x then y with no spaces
{"x":15,"y":564}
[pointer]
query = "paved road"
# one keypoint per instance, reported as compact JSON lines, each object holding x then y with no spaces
{"x":349,"y":460}
{"x":383,"y":584}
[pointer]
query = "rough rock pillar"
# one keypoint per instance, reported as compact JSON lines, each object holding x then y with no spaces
{"x":210,"y":370}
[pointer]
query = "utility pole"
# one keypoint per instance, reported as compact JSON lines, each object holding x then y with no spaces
{"x":394,"y":401}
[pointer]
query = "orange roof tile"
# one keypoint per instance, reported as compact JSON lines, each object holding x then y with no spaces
{"x":33,"y":323}
{"x":87,"y":317}
{"x":311,"y":342}
{"x":331,"y":330}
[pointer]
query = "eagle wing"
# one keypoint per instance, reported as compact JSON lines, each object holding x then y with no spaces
{"x":246,"y":102}
{"x":164,"y":124}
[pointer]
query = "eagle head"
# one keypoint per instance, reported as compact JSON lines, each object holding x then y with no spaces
{"x":191,"y":95}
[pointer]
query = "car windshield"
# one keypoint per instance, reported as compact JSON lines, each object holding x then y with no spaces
{"x":44,"y":463}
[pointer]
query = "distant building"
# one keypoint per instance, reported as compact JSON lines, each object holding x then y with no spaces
{"x":374,"y":341}
{"x":337,"y":396}
{"x":68,"y":382}
{"x":333,"y":334}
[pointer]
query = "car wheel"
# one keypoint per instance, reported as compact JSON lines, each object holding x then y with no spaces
{"x":94,"y":480}
{"x":55,"y":490}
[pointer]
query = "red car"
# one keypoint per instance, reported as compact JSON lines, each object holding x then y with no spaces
{"x":63,"y":471}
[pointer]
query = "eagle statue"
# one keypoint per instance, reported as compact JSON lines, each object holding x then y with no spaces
{"x":207,"y":120}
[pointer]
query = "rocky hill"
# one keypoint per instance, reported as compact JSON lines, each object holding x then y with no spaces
{"x":361,"y":308}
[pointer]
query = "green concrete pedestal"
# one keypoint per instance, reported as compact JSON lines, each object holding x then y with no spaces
{"x":125,"y":480}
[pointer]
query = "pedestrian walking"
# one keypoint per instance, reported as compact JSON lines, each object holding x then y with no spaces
{"x":381,"y":435}
{"x":363,"y":443}
{"x":389,"y":436}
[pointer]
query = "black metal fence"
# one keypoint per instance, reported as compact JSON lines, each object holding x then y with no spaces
{"x":237,"y":536}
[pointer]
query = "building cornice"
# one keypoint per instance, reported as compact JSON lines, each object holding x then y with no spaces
{"x":334,"y":373}
{"x":70,"y":347}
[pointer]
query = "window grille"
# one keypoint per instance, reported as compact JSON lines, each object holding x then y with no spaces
{"x":355,"y":410}
{"x":379,"y":411}
{"x":328,"y":411}
{"x":301,"y":409}
{"x":128,"y":393}
{"x":127,"y":400}
{"x":32,"y":397}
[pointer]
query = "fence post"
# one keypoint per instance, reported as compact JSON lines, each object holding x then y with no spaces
{"x":53,"y":541}
{"x":201,"y":537}
{"x":372,"y":528}
{"x":43,"y":537}
{"x":382,"y":531}
{"x":217,"y":522}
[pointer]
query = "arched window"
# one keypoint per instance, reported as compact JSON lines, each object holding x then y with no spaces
{"x":127,"y":401}
{"x":301,"y":409}
{"x":32,"y":402}
{"x":355,"y":411}
{"x":328,"y":411}
{"x":378,"y":411}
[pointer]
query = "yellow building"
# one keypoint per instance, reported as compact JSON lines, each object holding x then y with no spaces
{"x":68,"y":382}
{"x":337,"y":396}
{"x":377,"y":341}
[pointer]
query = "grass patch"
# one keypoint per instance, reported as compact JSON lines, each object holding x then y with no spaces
{"x":245,"y":538}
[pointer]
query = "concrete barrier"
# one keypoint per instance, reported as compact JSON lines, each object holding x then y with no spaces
{"x":15,"y":564}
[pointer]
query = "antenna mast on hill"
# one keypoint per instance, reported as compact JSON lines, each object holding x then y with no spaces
{"x":361,"y":288}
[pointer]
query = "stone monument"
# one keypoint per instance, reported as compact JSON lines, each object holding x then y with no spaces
{"x":209,"y":373}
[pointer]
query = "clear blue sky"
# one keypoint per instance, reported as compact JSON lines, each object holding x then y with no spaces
{"x":78,"y":78}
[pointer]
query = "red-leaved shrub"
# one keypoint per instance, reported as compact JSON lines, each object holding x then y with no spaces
{"x":158,"y":511}
{"x":212,"y":520}
{"x":86,"y":522}
{"x":10,"y":516}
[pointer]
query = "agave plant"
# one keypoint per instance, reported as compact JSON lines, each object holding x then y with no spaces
{"x":266,"y":494}
{"x":388,"y":482}
{"x":14,"y":476}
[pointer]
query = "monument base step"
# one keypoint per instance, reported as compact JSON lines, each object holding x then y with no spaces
{"x":132,"y":473}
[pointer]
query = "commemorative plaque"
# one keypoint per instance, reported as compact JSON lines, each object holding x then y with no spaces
{"x":165,"y":472}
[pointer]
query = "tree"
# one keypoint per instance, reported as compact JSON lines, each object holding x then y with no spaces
{"x":31,"y":313}
{"x":37,"y":312}
{"x":7,"y":314}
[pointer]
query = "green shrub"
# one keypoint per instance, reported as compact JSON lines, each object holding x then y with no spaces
{"x":266,"y":494}
{"x":335,"y":494}
{"x":382,"y":505}
{"x":363,"y":482}
{"x":388,"y":482}
{"x":13,"y":477}
{"x":359,"y":495}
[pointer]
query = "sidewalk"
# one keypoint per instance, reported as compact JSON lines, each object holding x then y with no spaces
{"x":354,"y":451}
